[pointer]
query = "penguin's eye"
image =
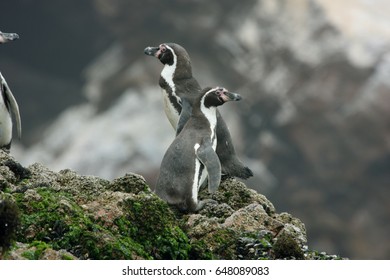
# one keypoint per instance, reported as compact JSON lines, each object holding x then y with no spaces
{"x":219,"y":95}
{"x":163,"y":49}
{"x":219,"y":92}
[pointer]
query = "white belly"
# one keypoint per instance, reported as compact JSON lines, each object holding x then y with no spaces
{"x":5,"y":124}
{"x":170,"y":111}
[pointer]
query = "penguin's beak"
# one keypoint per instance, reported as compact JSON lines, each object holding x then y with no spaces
{"x":6,"y":37}
{"x":152,"y":51}
{"x":230,"y":96}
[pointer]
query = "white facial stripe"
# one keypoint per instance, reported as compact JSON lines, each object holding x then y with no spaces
{"x":169,"y":70}
{"x":167,"y":74}
{"x":211,"y":115}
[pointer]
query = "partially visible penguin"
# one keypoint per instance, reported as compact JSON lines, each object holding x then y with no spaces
{"x":191,"y":157}
{"x":176,"y":82}
{"x":8,"y":37}
{"x":8,"y":104}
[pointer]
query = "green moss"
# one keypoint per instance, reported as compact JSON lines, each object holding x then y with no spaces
{"x":30,"y":255}
{"x":66,"y":257}
{"x":150,"y":222}
{"x":37,"y":249}
{"x":53,"y":217}
{"x":200,"y":251}
{"x":222,"y":244}
{"x":40,"y":248}
{"x":148,"y":230}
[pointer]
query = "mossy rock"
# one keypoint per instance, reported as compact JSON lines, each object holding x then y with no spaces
{"x":68,"y":217}
{"x":222,"y":243}
{"x":130,"y":183}
{"x":64,"y":215}
{"x":150,"y":221}
{"x":237,"y":195}
{"x":84,"y":188}
{"x":55,"y":218}
{"x":287,"y":247}
{"x":37,"y":250}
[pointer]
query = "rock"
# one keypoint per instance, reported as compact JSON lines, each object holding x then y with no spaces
{"x":313,"y":123}
{"x":64,"y":215}
{"x":37,"y":251}
{"x":286,"y":246}
{"x":252,"y":218}
{"x":237,"y":195}
{"x":293,"y":227}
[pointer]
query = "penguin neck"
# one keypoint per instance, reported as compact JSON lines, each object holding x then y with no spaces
{"x":180,"y":69}
{"x":210,"y":114}
{"x":168,"y":73}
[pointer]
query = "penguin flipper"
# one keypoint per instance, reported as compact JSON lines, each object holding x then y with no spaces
{"x":210,"y":160}
{"x":13,"y":104}
{"x":185,"y":114}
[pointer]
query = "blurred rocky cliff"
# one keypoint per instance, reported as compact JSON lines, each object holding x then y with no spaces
{"x":313,"y":124}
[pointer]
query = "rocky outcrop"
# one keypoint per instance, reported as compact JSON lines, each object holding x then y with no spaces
{"x":313,"y":124}
{"x":64,"y":215}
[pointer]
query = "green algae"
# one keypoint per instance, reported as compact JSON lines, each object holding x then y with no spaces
{"x":222,"y":244}
{"x":149,"y":229}
{"x":36,"y":250}
{"x":54,"y":218}
{"x":150,"y":222}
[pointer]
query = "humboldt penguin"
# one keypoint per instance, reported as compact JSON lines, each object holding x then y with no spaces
{"x":191,"y":157}
{"x":176,"y":82}
{"x":8,"y":104}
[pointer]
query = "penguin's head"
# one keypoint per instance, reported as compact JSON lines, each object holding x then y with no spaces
{"x":213,"y":97}
{"x":7,"y":37}
{"x":167,"y":52}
